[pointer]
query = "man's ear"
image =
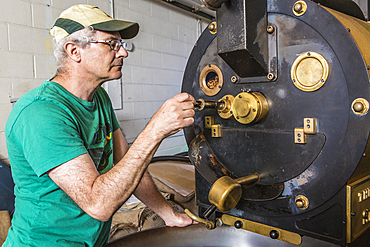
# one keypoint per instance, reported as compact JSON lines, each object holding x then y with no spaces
{"x":73,"y":51}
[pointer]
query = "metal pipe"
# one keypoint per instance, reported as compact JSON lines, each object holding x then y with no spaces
{"x":202,"y":104}
{"x":192,"y":7}
{"x":213,"y":4}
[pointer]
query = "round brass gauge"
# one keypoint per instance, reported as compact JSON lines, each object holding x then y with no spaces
{"x":360,"y":106}
{"x":225,"y":112}
{"x":310,"y":71}
{"x":211,"y":80}
{"x":213,"y":27}
{"x":249,"y":107}
{"x":299,"y":8}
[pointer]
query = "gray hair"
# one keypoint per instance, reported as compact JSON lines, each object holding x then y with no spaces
{"x":82,"y":37}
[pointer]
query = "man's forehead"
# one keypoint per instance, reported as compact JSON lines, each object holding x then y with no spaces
{"x":107,"y":35}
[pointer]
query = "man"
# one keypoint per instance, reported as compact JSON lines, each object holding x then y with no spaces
{"x":63,"y":139}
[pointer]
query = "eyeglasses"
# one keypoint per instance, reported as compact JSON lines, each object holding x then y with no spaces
{"x":114,"y":45}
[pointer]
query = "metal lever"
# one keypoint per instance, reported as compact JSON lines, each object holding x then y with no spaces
{"x":209,"y":224}
{"x":202,"y":104}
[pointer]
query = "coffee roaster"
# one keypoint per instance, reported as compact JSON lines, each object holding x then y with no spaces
{"x":280,"y":139}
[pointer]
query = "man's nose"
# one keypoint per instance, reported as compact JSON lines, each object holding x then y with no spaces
{"x":122,"y":52}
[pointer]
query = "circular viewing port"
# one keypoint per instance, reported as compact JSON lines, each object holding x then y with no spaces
{"x":310,"y":71}
{"x":211,"y":80}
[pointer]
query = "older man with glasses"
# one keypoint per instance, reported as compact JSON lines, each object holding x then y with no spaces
{"x":70,"y":162}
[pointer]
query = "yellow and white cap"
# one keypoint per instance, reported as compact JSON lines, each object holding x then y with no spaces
{"x":80,"y":16}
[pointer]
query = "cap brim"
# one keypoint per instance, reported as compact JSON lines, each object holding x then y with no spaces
{"x":127,"y":29}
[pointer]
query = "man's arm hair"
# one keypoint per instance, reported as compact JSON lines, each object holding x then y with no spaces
{"x":101,"y":195}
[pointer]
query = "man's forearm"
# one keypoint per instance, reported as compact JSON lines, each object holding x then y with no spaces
{"x":148,"y":193}
{"x":124,"y":178}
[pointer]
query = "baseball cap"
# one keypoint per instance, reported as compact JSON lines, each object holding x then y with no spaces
{"x":80,"y":16}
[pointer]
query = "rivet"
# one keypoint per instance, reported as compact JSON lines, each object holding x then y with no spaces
{"x":298,"y":7}
{"x":270,"y":29}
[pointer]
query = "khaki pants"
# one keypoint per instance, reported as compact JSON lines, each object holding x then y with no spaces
{"x":4,"y":225}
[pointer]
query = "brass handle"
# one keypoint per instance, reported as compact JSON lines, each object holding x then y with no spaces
{"x":226,"y":192}
{"x":202,"y":104}
{"x":209,"y":224}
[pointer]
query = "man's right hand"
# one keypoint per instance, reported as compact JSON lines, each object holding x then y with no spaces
{"x":175,"y":114}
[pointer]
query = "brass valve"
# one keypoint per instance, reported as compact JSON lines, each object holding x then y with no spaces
{"x":249,"y":107}
{"x":223,"y":105}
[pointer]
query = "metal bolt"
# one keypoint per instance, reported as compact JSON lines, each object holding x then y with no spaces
{"x":271,"y":76}
{"x":270,"y":29}
{"x":358,"y":107}
{"x":213,"y":27}
{"x":298,"y":7}
{"x":234,"y":79}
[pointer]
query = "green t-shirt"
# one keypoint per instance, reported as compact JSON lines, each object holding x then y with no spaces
{"x":47,"y":127}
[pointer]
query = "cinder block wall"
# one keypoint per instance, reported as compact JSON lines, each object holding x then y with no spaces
{"x":152,"y":73}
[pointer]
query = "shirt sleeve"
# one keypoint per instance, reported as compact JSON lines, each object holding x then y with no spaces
{"x":48,"y":136}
